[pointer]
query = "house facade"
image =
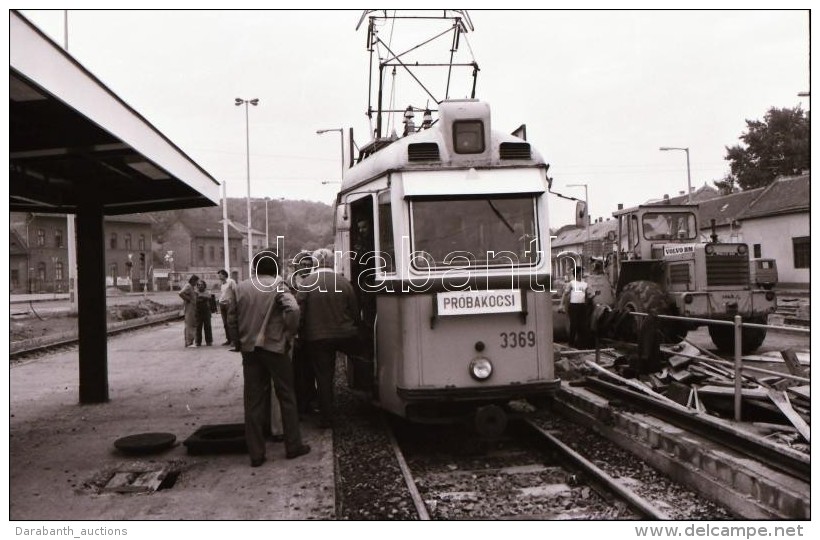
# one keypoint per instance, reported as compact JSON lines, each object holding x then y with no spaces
{"x":196,"y":245}
{"x":40,"y":252}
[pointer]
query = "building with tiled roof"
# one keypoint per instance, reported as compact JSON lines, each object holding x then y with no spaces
{"x":772,"y":220}
{"x":724,"y":210}
{"x":777,"y":225}
{"x":195,"y":244}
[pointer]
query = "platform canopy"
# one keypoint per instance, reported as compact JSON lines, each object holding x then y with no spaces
{"x":71,"y":138}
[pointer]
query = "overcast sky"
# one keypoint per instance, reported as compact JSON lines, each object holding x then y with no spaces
{"x":599,"y":91}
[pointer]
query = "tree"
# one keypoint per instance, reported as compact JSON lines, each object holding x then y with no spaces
{"x":776,"y":146}
{"x":726,"y":186}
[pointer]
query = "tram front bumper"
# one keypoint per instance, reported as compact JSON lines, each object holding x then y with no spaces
{"x":477,"y":393}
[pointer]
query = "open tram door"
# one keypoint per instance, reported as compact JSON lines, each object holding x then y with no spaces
{"x":361,"y":371}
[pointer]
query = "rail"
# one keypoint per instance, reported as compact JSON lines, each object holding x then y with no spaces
{"x":738,"y":325}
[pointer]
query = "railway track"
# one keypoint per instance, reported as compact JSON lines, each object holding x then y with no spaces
{"x":753,"y":476}
{"x":27,"y":351}
{"x":530,"y":473}
{"x":779,"y":457}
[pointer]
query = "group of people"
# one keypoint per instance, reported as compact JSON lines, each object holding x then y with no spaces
{"x":288,"y":329}
{"x":198,"y":305}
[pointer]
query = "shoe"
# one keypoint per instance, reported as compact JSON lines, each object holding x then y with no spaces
{"x":301,"y":451}
{"x":235,"y":349}
{"x":227,"y":343}
{"x":209,"y":344}
{"x":325,"y":424}
{"x":275,"y":438}
{"x":257,"y":462}
{"x":199,"y":344}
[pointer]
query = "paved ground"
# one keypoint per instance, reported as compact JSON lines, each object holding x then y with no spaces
{"x":59,"y":449}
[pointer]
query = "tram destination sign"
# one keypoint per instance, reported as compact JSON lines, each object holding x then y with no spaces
{"x":477,"y":302}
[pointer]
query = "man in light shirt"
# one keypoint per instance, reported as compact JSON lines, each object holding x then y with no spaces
{"x":227,"y":296}
{"x":574,"y":302}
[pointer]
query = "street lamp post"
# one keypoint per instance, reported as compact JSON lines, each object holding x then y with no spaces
{"x":688,"y":174}
{"x":342,"y":146}
{"x":586,"y":204}
{"x":254,"y":102}
{"x":267,"y":229}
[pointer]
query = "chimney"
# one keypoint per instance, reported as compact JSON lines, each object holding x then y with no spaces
{"x":620,"y":206}
{"x":681,"y":192}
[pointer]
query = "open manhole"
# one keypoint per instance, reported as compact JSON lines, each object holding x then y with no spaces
{"x":217,"y":439}
{"x":146,"y":480}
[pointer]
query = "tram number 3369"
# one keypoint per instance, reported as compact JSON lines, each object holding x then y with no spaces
{"x":514,"y":340}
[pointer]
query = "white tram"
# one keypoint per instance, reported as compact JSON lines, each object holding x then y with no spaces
{"x":444,"y":234}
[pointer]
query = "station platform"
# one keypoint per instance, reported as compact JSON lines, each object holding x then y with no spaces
{"x":62,"y":454}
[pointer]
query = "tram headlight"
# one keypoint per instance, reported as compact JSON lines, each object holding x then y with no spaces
{"x":742,"y":249}
{"x":481,"y":369}
{"x":710,"y":249}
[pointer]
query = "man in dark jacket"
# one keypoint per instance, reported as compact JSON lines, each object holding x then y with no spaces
{"x":264,"y":319}
{"x":329,"y":324}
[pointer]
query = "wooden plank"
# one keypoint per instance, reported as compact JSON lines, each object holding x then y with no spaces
{"x":714,"y":390}
{"x":629,"y":382}
{"x":790,"y":357}
{"x":801,"y":391}
{"x":781,"y":399}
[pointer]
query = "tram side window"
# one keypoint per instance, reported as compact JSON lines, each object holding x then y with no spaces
{"x":387,"y":248}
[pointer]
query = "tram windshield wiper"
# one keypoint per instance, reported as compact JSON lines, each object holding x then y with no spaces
{"x":501,"y":216}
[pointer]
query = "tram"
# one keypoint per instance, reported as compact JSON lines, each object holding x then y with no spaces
{"x":443,"y":232}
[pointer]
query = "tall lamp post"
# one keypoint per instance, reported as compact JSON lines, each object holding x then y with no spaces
{"x":267,"y":229}
{"x":586,"y":203}
{"x":688,"y":174}
{"x":254,"y":102}
{"x":342,"y":146}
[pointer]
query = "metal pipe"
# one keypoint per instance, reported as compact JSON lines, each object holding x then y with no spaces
{"x":727,"y":323}
{"x":225,"y":243}
{"x":738,"y":367}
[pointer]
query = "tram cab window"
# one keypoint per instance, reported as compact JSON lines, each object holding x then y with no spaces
{"x":493,"y":231}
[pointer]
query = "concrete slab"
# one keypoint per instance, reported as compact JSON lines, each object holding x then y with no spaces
{"x":62,"y":454}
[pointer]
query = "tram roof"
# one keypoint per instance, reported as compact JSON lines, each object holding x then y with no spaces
{"x":395,"y":155}
{"x":72,"y":138}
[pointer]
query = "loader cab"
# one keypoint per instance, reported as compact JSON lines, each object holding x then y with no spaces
{"x":646,"y":233}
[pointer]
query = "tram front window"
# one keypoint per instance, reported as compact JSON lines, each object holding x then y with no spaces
{"x":474,"y":232}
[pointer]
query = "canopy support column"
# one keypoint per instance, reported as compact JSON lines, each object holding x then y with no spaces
{"x":92,"y":309}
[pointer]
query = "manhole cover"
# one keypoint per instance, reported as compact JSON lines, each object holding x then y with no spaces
{"x":145,"y":443}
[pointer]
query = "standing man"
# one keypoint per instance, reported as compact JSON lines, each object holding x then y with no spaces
{"x":329,"y":325}
{"x":304,"y":377}
{"x":188,"y":295}
{"x":574,"y":302}
{"x":264,"y":319}
{"x":227,"y":296}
